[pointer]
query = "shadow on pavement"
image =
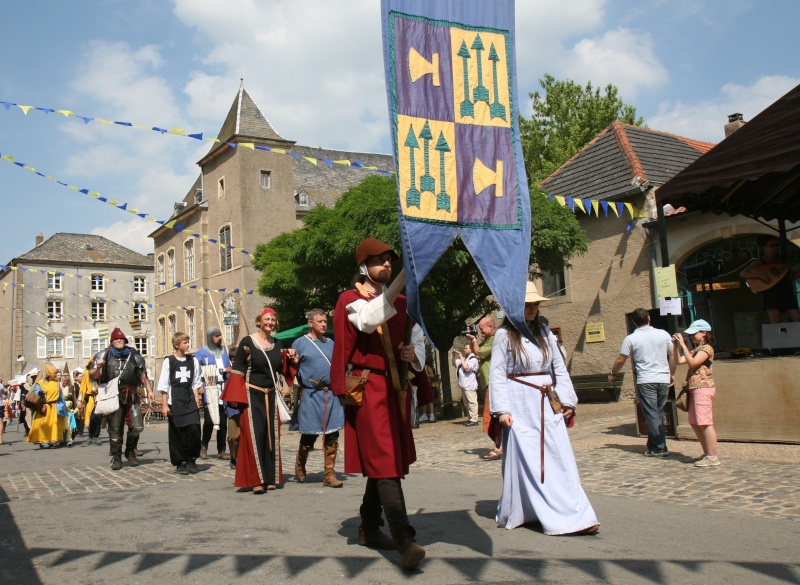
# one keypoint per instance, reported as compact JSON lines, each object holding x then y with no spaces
{"x":18,"y":565}
{"x":626,"y":430}
{"x":473,"y":568}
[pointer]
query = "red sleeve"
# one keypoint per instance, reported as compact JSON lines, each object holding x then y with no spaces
{"x":345,"y":336}
{"x":235,"y":389}
{"x":289,"y":370}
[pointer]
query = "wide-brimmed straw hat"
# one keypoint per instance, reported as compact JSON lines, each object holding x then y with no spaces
{"x":532,"y":294}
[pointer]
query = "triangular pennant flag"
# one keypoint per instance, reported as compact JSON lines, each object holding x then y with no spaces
{"x":629,"y":207}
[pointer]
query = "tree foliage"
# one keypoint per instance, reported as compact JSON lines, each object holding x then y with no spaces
{"x":310,"y":266}
{"x":564,"y":120}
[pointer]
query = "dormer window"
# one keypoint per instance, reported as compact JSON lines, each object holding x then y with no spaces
{"x":302,"y":198}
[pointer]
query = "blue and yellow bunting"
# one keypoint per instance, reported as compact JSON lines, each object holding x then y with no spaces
{"x":171,"y":224}
{"x":192,"y":135}
{"x":588,"y":206}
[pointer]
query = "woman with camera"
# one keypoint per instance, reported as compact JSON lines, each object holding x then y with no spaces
{"x":701,"y":387}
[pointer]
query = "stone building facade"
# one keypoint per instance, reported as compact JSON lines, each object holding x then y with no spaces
{"x":244,"y":196}
{"x":616,"y":275}
{"x":68,"y":287}
{"x":626,"y":164}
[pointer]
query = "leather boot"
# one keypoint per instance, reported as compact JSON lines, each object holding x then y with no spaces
{"x":330,"y":462}
{"x":300,"y":463}
{"x":410,"y":552}
{"x":373,"y":537}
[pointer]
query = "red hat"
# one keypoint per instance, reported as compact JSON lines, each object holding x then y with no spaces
{"x":372,"y":247}
{"x":118,"y":334}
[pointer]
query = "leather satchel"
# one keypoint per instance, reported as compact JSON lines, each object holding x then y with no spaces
{"x":555,"y":401}
{"x":354,"y":389}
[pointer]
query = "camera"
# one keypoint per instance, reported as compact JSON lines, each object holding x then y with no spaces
{"x":470,"y":330}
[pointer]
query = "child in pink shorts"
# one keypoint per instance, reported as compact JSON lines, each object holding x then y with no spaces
{"x":701,"y":387}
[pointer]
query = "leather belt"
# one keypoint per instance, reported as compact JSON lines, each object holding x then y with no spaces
{"x":260,"y":389}
{"x":543,"y":390}
{"x":385,"y":373}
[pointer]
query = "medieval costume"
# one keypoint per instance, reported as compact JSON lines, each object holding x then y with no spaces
{"x":378,"y":436}
{"x":87,"y":395}
{"x":214,"y":359}
{"x":45,"y":430}
{"x":251,"y":387}
{"x":179,"y":380}
{"x":540,"y":482}
{"x":319,"y":412}
{"x":128,"y":364}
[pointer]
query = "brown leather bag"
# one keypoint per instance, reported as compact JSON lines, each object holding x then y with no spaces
{"x":354,"y":389}
{"x":555,"y":401}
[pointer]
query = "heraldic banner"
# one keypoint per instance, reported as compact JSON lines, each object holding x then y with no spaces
{"x":451,"y":84}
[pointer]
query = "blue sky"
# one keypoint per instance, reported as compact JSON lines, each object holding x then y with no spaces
{"x":315,"y":68}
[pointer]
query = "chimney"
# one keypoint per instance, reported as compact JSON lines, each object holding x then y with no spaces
{"x":735,"y":121}
{"x":39,"y":239}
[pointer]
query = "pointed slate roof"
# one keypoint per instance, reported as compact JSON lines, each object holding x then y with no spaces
{"x":621,"y":158}
{"x":244,"y":119}
{"x":84,"y":249}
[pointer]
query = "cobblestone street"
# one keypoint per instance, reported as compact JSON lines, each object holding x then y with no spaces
{"x":730,"y":524}
{"x":767,"y":489}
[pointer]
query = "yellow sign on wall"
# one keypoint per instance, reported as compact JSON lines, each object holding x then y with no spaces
{"x":666,"y":283}
{"x":595,"y":332}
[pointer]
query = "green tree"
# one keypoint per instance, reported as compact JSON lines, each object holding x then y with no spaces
{"x":564,"y":120}
{"x":310,"y":266}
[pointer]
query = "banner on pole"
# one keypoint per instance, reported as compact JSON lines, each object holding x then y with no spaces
{"x":451,"y":84}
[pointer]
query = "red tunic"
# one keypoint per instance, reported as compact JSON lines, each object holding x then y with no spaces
{"x":378,"y":442}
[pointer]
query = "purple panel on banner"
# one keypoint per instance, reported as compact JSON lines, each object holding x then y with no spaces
{"x":417,"y":41}
{"x":497,"y":202}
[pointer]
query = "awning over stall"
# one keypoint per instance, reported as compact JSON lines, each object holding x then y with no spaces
{"x":753,"y":172}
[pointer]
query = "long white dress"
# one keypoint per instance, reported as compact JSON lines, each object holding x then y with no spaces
{"x":559,"y":504}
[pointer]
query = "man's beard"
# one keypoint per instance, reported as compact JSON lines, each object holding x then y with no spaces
{"x":379,"y":275}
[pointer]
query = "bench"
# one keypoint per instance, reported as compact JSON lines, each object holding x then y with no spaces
{"x":598,"y":382}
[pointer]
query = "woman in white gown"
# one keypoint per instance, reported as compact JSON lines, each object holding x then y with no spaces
{"x":559,"y":503}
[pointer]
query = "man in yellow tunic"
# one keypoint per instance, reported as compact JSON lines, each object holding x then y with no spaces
{"x":45,"y":428}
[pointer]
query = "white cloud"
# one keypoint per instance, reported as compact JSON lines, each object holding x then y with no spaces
{"x":121,"y":78}
{"x":131,"y":234}
{"x":314,"y":68}
{"x":144,"y":168}
{"x":543,"y":28}
{"x":705,"y":120}
{"x":620,"y":57}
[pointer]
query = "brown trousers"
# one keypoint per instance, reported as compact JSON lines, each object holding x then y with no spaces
{"x":233,"y":436}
